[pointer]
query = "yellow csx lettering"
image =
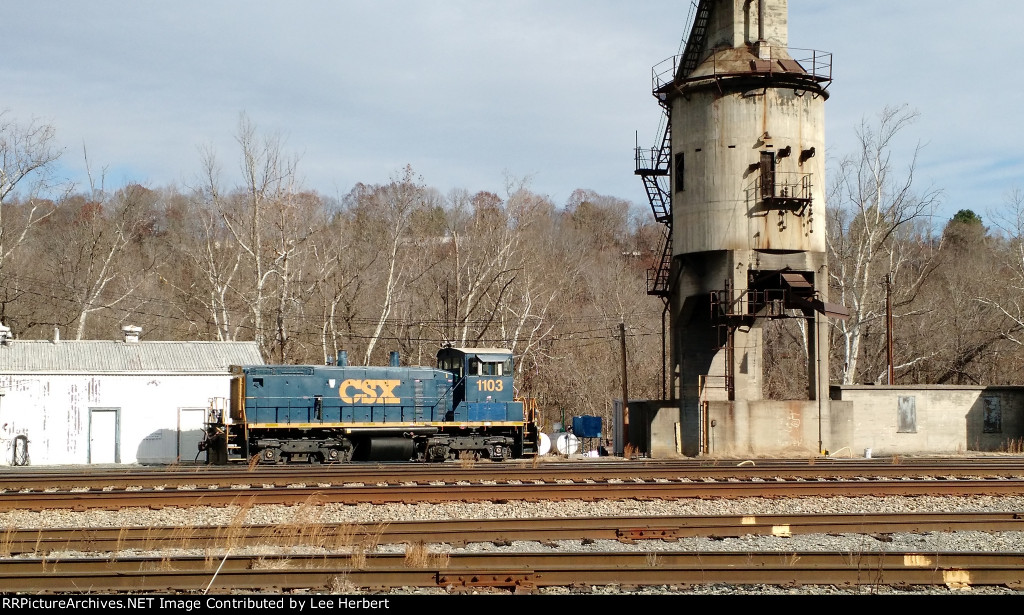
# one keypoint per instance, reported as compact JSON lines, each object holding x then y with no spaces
{"x":369,"y":391}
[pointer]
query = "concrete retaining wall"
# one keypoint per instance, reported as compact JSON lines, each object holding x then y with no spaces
{"x":930,"y":419}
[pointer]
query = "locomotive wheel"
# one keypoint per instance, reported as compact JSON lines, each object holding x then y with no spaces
{"x":270,"y":455}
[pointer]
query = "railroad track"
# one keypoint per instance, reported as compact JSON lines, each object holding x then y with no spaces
{"x":347,"y":557}
{"x":501,"y":532}
{"x":213,"y":477}
{"x":83,"y":489}
{"x":509,"y":571}
{"x":499,"y":493}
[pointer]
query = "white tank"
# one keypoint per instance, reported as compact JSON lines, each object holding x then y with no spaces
{"x":567,"y":444}
{"x":543,"y":444}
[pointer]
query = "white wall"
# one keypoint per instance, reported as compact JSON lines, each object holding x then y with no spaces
{"x":54,"y":412}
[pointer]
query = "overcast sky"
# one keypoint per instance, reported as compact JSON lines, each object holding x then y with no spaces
{"x":469,"y":92}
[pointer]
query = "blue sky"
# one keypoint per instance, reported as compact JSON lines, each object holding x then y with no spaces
{"x":471,"y":92}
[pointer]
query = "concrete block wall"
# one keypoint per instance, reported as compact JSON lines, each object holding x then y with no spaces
{"x":896,"y":420}
{"x":929,"y":419}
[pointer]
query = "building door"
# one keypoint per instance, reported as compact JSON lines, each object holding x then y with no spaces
{"x":190,"y":432}
{"x":103,"y":435}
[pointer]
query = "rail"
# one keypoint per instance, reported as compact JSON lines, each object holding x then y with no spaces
{"x":118,"y":541}
{"x":461,"y":490}
{"x":520,"y":572}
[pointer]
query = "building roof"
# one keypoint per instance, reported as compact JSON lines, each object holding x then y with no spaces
{"x":482,"y":350}
{"x":117,"y":357}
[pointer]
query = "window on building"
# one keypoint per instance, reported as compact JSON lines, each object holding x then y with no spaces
{"x":677,"y":173}
{"x":993,"y":416}
{"x":767,"y":175}
{"x":906,"y":415}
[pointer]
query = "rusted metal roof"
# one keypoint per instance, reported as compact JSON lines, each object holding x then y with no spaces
{"x":108,"y":356}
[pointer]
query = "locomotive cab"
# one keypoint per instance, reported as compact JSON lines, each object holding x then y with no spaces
{"x":489,"y":420}
{"x":483,"y":383}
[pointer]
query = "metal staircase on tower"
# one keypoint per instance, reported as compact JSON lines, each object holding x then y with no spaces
{"x":652,"y":165}
{"x":653,"y":168}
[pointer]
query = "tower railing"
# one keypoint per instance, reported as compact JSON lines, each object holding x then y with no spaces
{"x":813,"y":63}
{"x":785,"y":186}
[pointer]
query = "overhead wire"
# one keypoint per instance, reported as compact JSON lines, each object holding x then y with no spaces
{"x":600,"y":327}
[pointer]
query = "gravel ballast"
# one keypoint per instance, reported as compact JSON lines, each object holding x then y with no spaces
{"x":930,"y":542}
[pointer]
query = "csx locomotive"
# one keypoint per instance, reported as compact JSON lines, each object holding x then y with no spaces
{"x":338,"y":413}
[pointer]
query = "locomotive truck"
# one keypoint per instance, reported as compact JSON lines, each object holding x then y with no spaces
{"x":464,"y":408}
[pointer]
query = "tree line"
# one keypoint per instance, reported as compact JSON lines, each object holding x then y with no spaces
{"x":401,"y":266}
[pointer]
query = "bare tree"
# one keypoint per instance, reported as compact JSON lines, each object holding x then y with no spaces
{"x":484,"y":261}
{"x":394,"y":206}
{"x":209,"y":260}
{"x":108,"y":261}
{"x":29,"y":192}
{"x":27,"y":157}
{"x":1006,"y":298}
{"x":875,"y":221}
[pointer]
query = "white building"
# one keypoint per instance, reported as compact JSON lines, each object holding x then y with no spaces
{"x":110,"y":401}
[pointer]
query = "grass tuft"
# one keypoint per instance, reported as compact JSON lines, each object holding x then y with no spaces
{"x":418,"y":555}
{"x":6,"y":540}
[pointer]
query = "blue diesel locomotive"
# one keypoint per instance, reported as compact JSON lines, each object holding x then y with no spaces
{"x":337,"y":413}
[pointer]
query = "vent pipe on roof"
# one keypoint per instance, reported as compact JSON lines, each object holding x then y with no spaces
{"x":395,"y":359}
{"x":131,"y":333}
{"x":760,"y":21}
{"x":56,"y":335}
{"x":763,"y":50}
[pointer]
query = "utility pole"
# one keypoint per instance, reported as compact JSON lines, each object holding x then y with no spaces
{"x":888,"y":328}
{"x":625,"y":388}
